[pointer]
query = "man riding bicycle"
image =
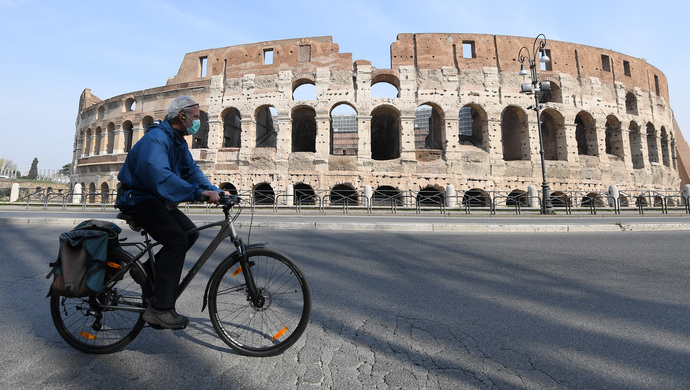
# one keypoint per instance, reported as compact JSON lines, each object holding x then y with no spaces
{"x":159,"y":173}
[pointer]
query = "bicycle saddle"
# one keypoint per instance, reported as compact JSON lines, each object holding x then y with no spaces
{"x":130,"y":221}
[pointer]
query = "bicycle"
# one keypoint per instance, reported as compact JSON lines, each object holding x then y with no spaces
{"x":259,"y":301}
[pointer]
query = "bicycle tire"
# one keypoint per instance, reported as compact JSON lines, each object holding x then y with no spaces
{"x":85,"y":325}
{"x":271,"y":329}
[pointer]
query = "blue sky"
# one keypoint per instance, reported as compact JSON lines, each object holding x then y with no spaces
{"x":53,"y":50}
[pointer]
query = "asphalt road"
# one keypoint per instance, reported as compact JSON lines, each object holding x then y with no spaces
{"x":396,"y":310}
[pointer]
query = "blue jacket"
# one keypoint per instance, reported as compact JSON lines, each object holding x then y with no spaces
{"x":160,"y":166}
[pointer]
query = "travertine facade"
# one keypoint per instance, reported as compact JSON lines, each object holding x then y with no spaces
{"x":608,"y":120}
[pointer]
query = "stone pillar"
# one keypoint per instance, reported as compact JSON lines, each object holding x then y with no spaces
{"x":76,"y":194}
{"x":119,"y":140}
{"x":407,"y":147}
{"x":290,"y":192}
{"x":323,"y":131}
{"x":686,"y":191}
{"x":14,"y":192}
{"x":451,"y":200}
{"x":613,"y":195}
{"x":532,"y":196}
{"x":368,"y":193}
{"x":364,"y":137}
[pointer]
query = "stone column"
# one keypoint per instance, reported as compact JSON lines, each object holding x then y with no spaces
{"x":119,"y":140}
{"x":363,"y":138}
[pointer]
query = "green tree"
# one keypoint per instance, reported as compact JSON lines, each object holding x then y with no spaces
{"x":33,"y":172}
{"x":66,"y":169}
{"x":7,"y":164}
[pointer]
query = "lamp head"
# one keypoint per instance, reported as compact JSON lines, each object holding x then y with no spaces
{"x":543,"y":57}
{"x":523,"y":71}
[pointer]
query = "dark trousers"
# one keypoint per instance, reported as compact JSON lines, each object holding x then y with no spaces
{"x":168,"y":227}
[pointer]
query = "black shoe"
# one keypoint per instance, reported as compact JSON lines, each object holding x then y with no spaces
{"x":165,"y":319}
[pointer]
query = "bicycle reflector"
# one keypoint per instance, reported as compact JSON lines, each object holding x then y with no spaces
{"x":280,"y":333}
{"x":87,"y":336}
{"x":237,"y":271}
{"x":112,"y":264}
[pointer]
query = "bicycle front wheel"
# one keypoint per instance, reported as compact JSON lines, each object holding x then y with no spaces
{"x":278,"y":322}
{"x":105,"y":322}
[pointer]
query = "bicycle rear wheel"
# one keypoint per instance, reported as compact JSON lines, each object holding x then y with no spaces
{"x":105,"y":322}
{"x":276,"y":325}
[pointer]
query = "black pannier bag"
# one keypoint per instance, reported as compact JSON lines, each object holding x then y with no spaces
{"x":80,"y":268}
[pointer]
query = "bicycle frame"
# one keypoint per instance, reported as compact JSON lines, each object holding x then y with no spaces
{"x":227,"y":230}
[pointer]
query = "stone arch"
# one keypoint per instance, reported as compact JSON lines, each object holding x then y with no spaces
{"x":130,"y":104}
{"x":105,"y":193}
{"x":614,"y":137}
{"x":386,"y":195}
{"x":344,"y":194}
{"x":385,"y":133}
{"x":92,"y":193}
{"x":232,"y":128}
{"x":304,"y":88}
{"x":304,"y":194}
{"x":229,"y":187}
{"x":476,"y":197}
{"x":263,"y":194}
{"x":128,"y":133}
{"x":146,"y":122}
{"x":428,"y":127}
{"x":652,"y":150}
{"x":631,"y":104}
{"x":473,"y":125}
{"x":553,"y":135}
{"x":303,"y":129}
{"x":344,"y":130}
{"x":266,"y":128}
{"x":636,"y":145}
{"x":88,"y":143}
{"x":555,"y":95}
{"x":200,"y":139}
{"x":517,"y":197}
{"x":559,"y":199}
{"x":514,"y":134}
{"x":110,"y":138}
{"x":664,"y":147}
{"x":586,"y":134}
{"x":431,"y":196}
{"x":98,"y":135}
{"x":593,"y":198}
{"x":385,"y":85}
{"x":101,"y":113}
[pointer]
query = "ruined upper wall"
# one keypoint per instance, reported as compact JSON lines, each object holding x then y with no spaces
{"x":433,"y":51}
{"x":303,"y":55}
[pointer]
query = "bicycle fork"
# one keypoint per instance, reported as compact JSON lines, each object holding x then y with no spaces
{"x":254,"y":292}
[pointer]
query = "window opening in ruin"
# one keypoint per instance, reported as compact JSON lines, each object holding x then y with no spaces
{"x":263,"y":194}
{"x":266,"y":127}
{"x":384,"y":90}
{"x":97,"y":143}
{"x":200,"y":138}
{"x":517,"y":197}
{"x":304,"y":129}
{"x":130,"y":105}
{"x":92,"y":192}
{"x":386,"y":196}
{"x":550,"y":129}
{"x":229,"y":187}
{"x":626,"y":68}
{"x":513,"y":134}
{"x":304,"y":53}
{"x":559,"y":199}
{"x":614,"y":138}
{"x":232,"y":129}
{"x":427,"y":128}
{"x":555,"y":95}
{"x":344,"y":133}
{"x":471,"y":126}
{"x":101,"y":112}
{"x":605,"y":63}
{"x":385,"y":134}
{"x":652,"y":151}
{"x":664,"y":147}
{"x":304,"y":92}
{"x":630,"y":103}
{"x":343,"y":194}
{"x":203,"y":62}
{"x":129,"y":134}
{"x":268,"y":56}
{"x":636,"y":146}
{"x":586,"y":135}
{"x":110,"y":138}
{"x":592,"y":198}
{"x":656,"y":84}
{"x":468,"y":49}
{"x":430,"y":196}
{"x":476,"y":197}
{"x":304,"y":194}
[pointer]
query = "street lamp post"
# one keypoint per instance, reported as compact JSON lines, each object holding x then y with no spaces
{"x":538,"y":90}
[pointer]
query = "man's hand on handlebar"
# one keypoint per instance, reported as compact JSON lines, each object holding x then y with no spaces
{"x":211,"y":196}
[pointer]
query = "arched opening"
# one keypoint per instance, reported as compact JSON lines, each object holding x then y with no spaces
{"x":472,"y":125}
{"x":92,"y":192}
{"x":553,"y":136}
{"x":229,"y":187}
{"x":130,"y":104}
{"x":517,"y":197}
{"x":304,"y":90}
{"x":385,"y":85}
{"x":593,"y":198}
{"x":303,"y":129}
{"x":88,"y":143}
{"x":128,"y":132}
{"x":476,"y":197}
{"x":266,"y":127}
{"x":630,"y":103}
{"x":263,"y":194}
{"x":232,"y":128}
{"x":386,"y":195}
{"x":555,"y":95}
{"x":430,"y":196}
{"x":664,"y":147}
{"x":428,"y":125}
{"x":146,"y":122}
{"x":344,"y":133}
{"x":110,"y":138}
{"x":614,"y":137}
{"x":105,"y":193}
{"x":559,"y":199}
{"x":344,"y":194}
{"x":652,"y":151}
{"x":304,"y":194}
{"x":636,"y":146}
{"x":586,"y":134}
{"x":514,"y":138}
{"x":200,"y":139}
{"x":385,"y":133}
{"x":97,"y":141}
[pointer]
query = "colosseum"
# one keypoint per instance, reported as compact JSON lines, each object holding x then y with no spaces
{"x":452,"y":122}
